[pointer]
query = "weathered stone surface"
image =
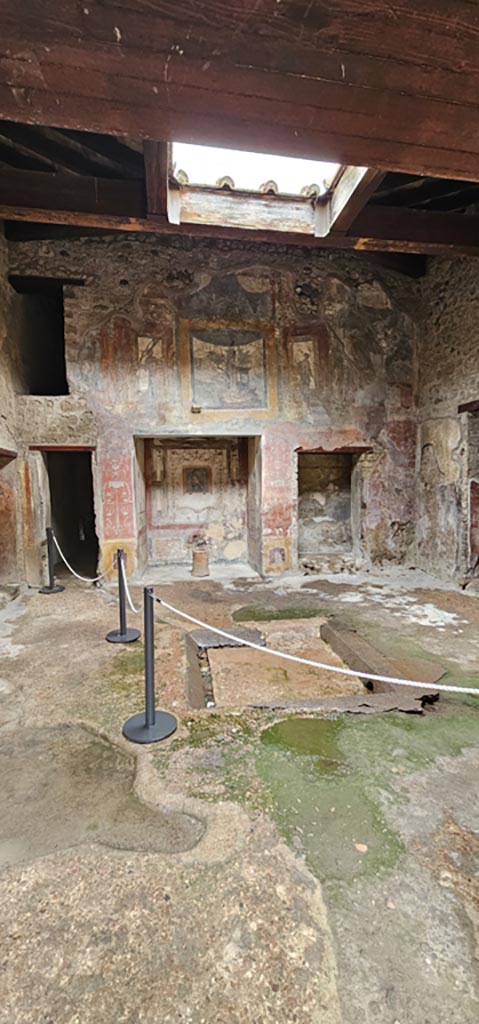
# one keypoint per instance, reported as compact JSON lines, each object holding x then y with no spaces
{"x":206,"y":638}
{"x":237,"y":927}
{"x":56,"y":420}
{"x":320,"y":356}
{"x":448,"y":378}
{"x":136,"y":937}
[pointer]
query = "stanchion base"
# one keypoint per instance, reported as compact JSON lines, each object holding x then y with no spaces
{"x":136,"y":731}
{"x":56,"y":589}
{"x":115,"y":637}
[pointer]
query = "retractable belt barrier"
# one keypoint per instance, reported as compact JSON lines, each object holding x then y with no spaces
{"x":150,"y":725}
{"x":125,"y":634}
{"x":52,"y":587}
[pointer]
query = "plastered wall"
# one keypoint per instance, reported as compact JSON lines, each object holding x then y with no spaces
{"x":297,"y":350}
{"x":447,"y":446}
{"x":196,"y":492}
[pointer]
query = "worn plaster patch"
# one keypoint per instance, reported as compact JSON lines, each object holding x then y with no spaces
{"x":444,"y":435}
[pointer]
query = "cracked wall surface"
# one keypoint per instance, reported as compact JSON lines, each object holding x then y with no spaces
{"x":175,"y":337}
{"x":447,"y":455}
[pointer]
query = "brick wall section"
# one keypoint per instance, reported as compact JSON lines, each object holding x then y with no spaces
{"x":339,"y":340}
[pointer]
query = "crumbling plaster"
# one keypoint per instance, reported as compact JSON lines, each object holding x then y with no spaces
{"x":9,"y":490}
{"x":340,"y":335}
{"x":448,"y":378}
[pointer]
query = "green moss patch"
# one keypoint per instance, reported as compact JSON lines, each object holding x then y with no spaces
{"x":253,"y":613}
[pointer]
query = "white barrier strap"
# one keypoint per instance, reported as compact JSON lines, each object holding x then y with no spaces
{"x":127,"y":592}
{"x":319,"y":664}
{"x":84,"y":579}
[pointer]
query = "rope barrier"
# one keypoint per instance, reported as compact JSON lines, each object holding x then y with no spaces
{"x":318,"y":664}
{"x":150,"y":725}
{"x":84,"y":579}
{"x":123,"y":632}
{"x":127,"y":591}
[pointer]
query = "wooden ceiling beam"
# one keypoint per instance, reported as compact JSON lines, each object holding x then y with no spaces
{"x":352,"y":192}
{"x":246,"y":210}
{"x":78,"y":194}
{"x":156,"y":157}
{"x":56,"y":148}
{"x":120,"y":159}
{"x":349,"y":195}
{"x":22,"y":156}
{"x":107,"y":204}
{"x":417,"y":227}
{"x":345,"y":82}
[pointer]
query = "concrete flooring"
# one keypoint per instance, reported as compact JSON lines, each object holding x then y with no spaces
{"x":252,"y":868}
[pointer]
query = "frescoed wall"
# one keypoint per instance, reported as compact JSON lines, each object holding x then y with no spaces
{"x":271,"y":350}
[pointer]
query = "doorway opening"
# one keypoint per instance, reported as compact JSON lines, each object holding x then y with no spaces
{"x":72,"y":507}
{"x":324,"y":503}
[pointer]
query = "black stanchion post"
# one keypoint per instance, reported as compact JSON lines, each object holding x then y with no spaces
{"x":52,"y":588}
{"x":149,"y":725}
{"x":123,"y":635}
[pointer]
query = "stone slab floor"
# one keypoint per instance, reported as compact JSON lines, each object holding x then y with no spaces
{"x":256,"y":867}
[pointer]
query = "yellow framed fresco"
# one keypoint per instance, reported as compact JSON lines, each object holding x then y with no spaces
{"x":228,"y":368}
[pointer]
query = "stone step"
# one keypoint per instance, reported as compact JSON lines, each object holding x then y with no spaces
{"x":361,"y":656}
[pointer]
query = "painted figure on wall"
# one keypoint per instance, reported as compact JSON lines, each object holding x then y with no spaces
{"x":118,"y":356}
{"x":197,"y":480}
{"x":228,"y":368}
{"x":306,"y":372}
{"x":303,"y":366}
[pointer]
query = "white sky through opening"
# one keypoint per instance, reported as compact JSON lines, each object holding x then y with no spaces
{"x":204,"y":165}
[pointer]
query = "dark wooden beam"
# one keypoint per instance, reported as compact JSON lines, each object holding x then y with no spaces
{"x":440,"y":193}
{"x":78,"y":194}
{"x":23,"y":156}
{"x":393,"y":87}
{"x":422,"y":228}
{"x":469,"y":407}
{"x":59,"y":149}
{"x":156,"y":156}
{"x":104,"y":205}
{"x":120,"y":159}
{"x":62,"y":447}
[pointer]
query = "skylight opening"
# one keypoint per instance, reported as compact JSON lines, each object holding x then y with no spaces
{"x":211,"y":166}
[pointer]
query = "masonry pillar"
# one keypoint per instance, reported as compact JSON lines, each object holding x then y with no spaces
{"x":115,"y":497}
{"x":36,"y":515}
{"x":279,"y":505}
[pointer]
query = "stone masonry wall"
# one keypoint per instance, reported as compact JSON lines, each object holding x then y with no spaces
{"x":193,"y":338}
{"x":448,"y":377}
{"x":8,"y":438}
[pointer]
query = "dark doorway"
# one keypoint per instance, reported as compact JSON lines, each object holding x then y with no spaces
{"x":73,"y":515}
